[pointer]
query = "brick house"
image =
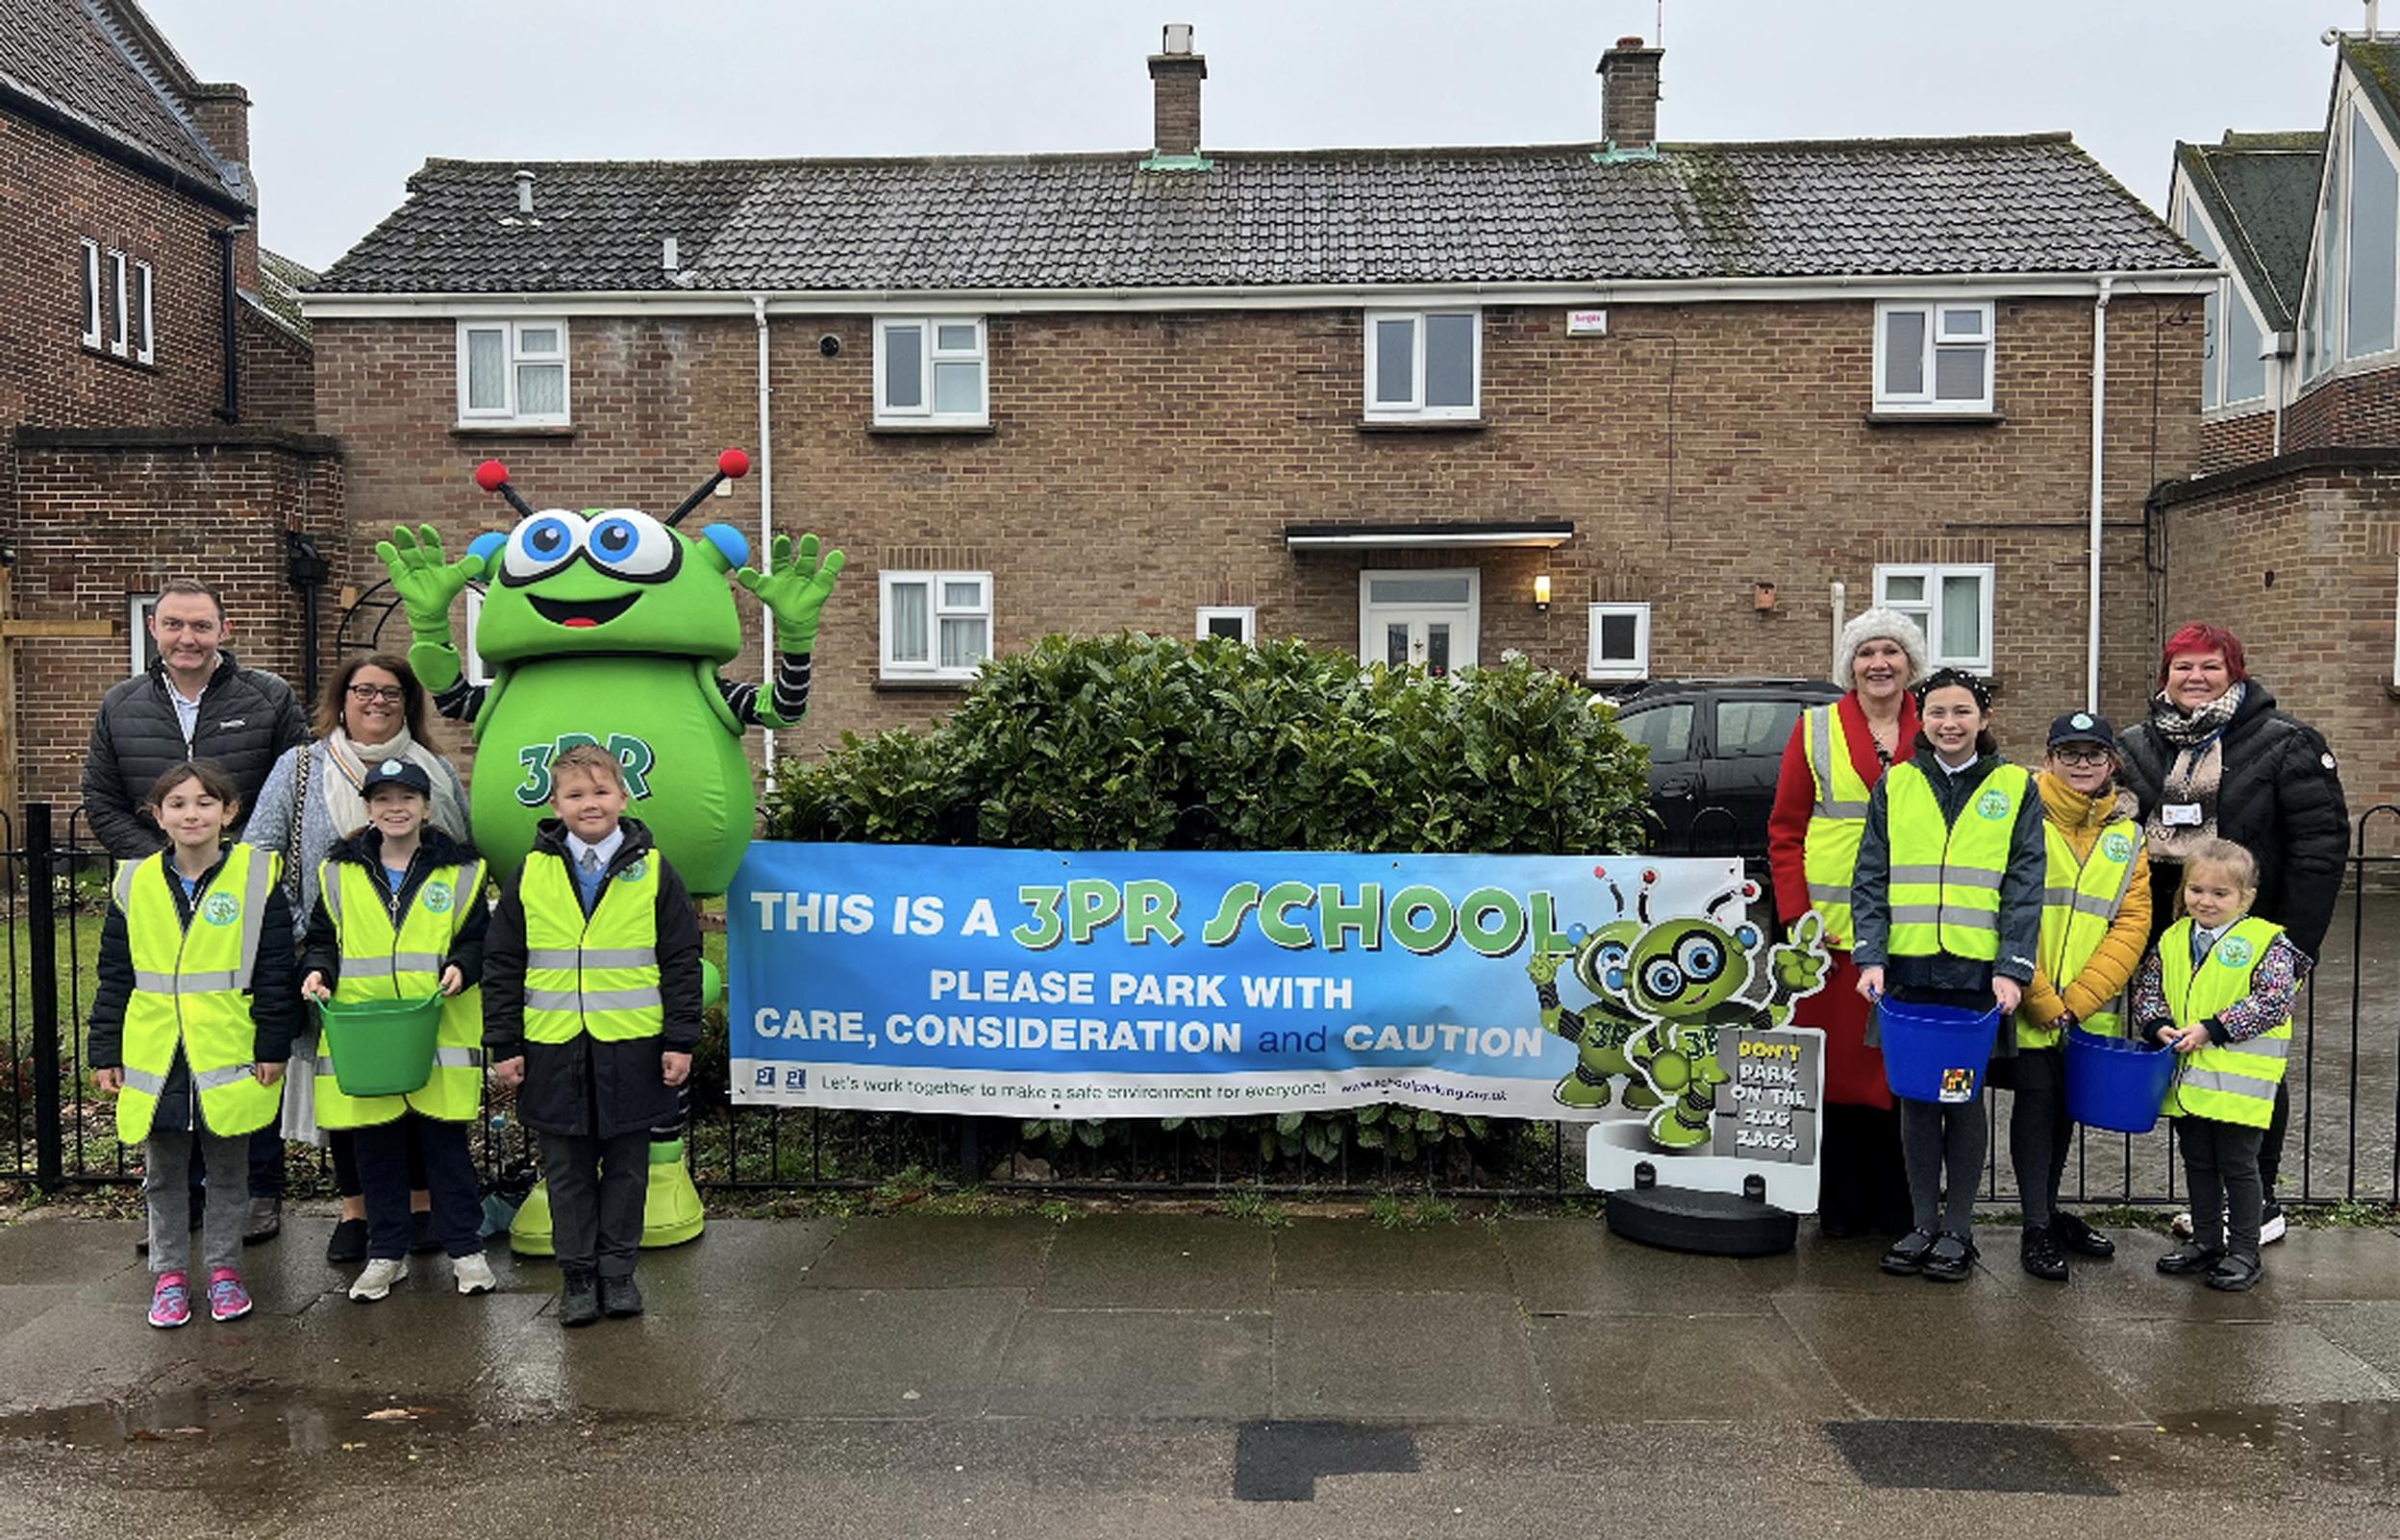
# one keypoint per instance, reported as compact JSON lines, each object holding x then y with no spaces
{"x":1635,"y":408}
{"x":156,"y":413}
{"x":2291,"y":531}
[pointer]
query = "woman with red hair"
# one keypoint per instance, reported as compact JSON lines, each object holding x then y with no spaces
{"x":2217,"y":760}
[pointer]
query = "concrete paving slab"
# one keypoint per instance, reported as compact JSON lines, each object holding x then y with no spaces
{"x":78,"y":1353}
{"x":1954,"y":1353}
{"x":736,"y":1267}
{"x":1346,"y":1254}
{"x":51,"y":1248}
{"x":1651,"y":1368}
{"x":645,"y":1366}
{"x":1159,"y":1262}
{"x":1137,"y":1363}
{"x":2336,"y":1264}
{"x":421,"y":1341}
{"x":905,"y":1352}
{"x":2170,"y":1367}
{"x":2367,"y":1328}
{"x":1821,"y":1266}
{"x":1420,"y":1357}
{"x":1575,"y":1265}
{"x":934,"y":1252}
{"x":2126,"y":1285}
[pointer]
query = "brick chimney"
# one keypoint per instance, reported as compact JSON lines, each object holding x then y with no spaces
{"x":1629,"y":95}
{"x":222,"y":113}
{"x":1175,"y":76}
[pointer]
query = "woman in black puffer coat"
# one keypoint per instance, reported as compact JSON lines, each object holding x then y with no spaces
{"x":2215,"y":759}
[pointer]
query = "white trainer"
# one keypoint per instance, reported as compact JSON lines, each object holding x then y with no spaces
{"x":2182,"y":1226}
{"x":377,"y":1281}
{"x":474,"y":1275}
{"x":2271,"y":1229}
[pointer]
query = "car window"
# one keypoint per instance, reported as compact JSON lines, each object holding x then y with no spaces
{"x":1753,"y":729}
{"x":1665,"y":729}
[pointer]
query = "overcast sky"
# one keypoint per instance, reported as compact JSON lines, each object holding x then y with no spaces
{"x":348,"y":99}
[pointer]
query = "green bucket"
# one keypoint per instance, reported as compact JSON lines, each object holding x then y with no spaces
{"x":382,"y":1047}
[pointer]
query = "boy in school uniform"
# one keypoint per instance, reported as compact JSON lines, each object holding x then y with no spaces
{"x":592,"y":1003}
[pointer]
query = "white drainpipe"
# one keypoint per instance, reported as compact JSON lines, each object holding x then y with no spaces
{"x":766,"y":469}
{"x":2099,"y":460}
{"x":1842,"y":595}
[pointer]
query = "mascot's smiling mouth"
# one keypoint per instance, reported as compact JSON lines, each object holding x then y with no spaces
{"x":596,"y":612}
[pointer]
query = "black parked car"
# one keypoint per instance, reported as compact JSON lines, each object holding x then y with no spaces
{"x":1715,"y":748}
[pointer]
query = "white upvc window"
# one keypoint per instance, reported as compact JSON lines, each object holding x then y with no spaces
{"x":145,"y":350}
{"x":143,"y":647}
{"x":936,"y":624}
{"x":93,"y":336}
{"x":1424,"y":365}
{"x":1952,"y":605}
{"x":512,"y":373}
{"x":932,"y":369}
{"x":2233,"y":337}
{"x":119,"y":342}
{"x":1619,"y":644}
{"x":1934,"y":356}
{"x":1236,"y":622}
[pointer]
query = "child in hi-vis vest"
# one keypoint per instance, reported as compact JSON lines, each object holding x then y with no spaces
{"x":191,"y":1024}
{"x":400,"y":915}
{"x":2219,"y":990}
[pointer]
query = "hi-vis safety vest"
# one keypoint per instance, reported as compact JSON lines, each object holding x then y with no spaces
{"x":2079,"y":904}
{"x":1837,"y":821}
{"x":598,"y":975}
{"x":1945,"y":877}
{"x":380,"y":961}
{"x":190,"y":987}
{"x":2230,"y":1082}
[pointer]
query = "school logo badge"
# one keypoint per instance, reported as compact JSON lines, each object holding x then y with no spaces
{"x":1992,"y":804}
{"x":436,"y":898}
{"x":2118,"y":846}
{"x":2235,"y":951}
{"x":2080,"y":721}
{"x":221,"y":908}
{"x":634,"y":872}
{"x":1957,"y":1086}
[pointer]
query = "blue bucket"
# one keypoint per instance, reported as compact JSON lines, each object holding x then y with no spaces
{"x":1935,"y":1053}
{"x":2116,"y":1083}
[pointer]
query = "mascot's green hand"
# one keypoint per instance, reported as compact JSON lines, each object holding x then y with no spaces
{"x":794,"y":589}
{"x":426,"y":584}
{"x":1800,"y":965}
{"x":1543,"y":968}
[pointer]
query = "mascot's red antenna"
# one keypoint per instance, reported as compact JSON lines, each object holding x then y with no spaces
{"x":732,"y":465}
{"x":494,"y":477}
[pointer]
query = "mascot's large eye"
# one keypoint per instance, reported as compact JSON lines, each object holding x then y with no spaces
{"x":1700,"y":958}
{"x":1662,"y":979}
{"x":541,"y":545}
{"x":630,"y":544}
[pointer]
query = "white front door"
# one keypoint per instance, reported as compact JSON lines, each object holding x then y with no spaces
{"x":1430,"y":618}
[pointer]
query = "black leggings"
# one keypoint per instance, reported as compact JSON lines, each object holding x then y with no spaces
{"x":2040,"y":1132}
{"x":345,"y":1147}
{"x":1944,"y":1139}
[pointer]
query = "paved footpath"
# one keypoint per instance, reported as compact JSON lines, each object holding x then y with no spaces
{"x":1134,"y":1374}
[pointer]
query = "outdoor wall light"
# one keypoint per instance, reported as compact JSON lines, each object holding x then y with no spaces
{"x":1541,"y":593}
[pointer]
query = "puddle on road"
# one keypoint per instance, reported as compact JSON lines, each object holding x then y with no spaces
{"x":247,"y":1418}
{"x":2353,"y":1442}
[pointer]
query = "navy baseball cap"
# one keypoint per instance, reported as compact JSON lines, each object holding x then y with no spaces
{"x":2083,"y":727}
{"x":397,"y":772}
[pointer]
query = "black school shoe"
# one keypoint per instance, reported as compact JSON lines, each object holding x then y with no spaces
{"x":2190,"y":1257}
{"x":578,"y":1304}
{"x":621,"y":1297}
{"x":2075,"y":1235}
{"x":347,"y":1244}
{"x":2237,"y":1274}
{"x":1951,"y":1259}
{"x":1908,"y":1254}
{"x":2041,"y":1255}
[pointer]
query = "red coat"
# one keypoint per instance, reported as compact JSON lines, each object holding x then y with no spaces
{"x":1854,"y":1072}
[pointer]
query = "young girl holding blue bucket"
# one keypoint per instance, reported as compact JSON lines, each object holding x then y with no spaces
{"x":1948,"y":904}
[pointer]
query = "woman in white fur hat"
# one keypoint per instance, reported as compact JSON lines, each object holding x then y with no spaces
{"x":1836,"y":755}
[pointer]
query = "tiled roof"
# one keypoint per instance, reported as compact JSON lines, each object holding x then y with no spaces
{"x":88,"y":63}
{"x":2260,"y":190}
{"x":281,"y":280}
{"x":1339,"y":217}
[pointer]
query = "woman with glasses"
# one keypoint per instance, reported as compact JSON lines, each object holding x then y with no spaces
{"x":373,"y":709}
{"x":2095,"y":924}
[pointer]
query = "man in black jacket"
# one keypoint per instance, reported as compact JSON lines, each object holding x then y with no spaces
{"x":195,"y":703}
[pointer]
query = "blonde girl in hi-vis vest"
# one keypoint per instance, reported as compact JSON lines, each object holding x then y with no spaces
{"x":2219,"y":990}
{"x":190,"y":1025}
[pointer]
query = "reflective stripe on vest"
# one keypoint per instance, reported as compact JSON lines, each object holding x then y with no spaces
{"x":1945,"y":877}
{"x":1837,"y":821}
{"x":2077,"y":907}
{"x":380,"y":961}
{"x":190,"y":990}
{"x":2228,"y":1083}
{"x":596,"y":975}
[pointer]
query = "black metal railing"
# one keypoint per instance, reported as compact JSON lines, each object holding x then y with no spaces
{"x":2341,"y":1144}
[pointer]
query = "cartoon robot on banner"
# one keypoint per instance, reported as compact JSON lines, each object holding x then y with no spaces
{"x":1660,"y":994}
{"x":607,"y":626}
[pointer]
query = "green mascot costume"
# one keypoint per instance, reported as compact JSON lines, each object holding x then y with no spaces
{"x":607,"y":626}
